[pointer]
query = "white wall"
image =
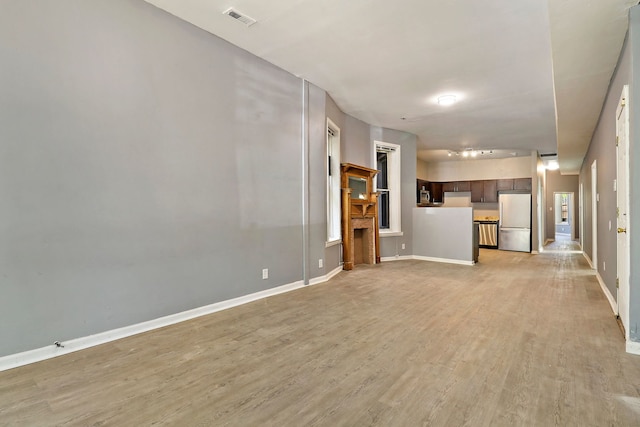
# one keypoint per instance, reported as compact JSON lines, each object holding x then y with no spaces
{"x":473,"y":169}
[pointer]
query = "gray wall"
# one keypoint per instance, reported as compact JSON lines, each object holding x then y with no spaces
{"x":357,"y":147}
{"x":435,"y":238}
{"x":602,"y":149}
{"x":557,"y":183}
{"x":392,"y":246}
{"x":146,"y":168}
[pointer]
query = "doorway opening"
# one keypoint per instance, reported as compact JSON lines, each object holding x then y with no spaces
{"x":563,"y":224}
{"x":563,"y":207}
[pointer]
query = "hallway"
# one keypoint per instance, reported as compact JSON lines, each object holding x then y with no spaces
{"x":517,"y":339}
{"x":563,"y":243}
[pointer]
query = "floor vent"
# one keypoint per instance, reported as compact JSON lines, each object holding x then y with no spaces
{"x":246,"y":20}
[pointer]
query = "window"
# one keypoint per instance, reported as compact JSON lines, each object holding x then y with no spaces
{"x":388,"y":185}
{"x":334,"y":231}
{"x":382,"y":186}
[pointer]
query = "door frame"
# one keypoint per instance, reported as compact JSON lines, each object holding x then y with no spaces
{"x":581,"y":213}
{"x":571,"y":218}
{"x":594,"y":215}
{"x":622,"y":200}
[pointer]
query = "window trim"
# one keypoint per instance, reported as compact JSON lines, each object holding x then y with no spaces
{"x":395,"y":187}
{"x":337,"y":213}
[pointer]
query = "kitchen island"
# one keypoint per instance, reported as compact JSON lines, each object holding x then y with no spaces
{"x":444,"y":234}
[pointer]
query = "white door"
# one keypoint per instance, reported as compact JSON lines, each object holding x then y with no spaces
{"x":622,"y":195}
{"x":594,"y":215}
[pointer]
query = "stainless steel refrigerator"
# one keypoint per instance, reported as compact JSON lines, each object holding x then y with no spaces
{"x":515,"y":222}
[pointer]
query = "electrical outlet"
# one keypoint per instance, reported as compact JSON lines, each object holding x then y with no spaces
{"x":403,"y":246}
{"x":265,"y":273}
{"x":320,"y":263}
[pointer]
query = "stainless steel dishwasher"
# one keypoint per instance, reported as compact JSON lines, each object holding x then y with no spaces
{"x":488,"y":231}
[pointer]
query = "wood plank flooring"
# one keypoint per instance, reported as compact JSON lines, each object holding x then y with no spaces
{"x":518,"y":339}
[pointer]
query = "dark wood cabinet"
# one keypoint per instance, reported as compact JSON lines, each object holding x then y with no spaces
{"x":484,"y":191}
{"x":522,"y":184}
{"x":463,"y":186}
{"x":477,"y":191}
{"x":456,"y":186}
{"x":434,"y":188}
{"x":490,"y":191}
{"x":436,"y":192}
{"x":448,"y":187}
{"x":505,"y":184}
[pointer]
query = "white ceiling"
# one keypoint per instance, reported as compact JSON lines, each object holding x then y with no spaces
{"x":529,"y":74}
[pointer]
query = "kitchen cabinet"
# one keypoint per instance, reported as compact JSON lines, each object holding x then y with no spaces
{"x":434,"y":188}
{"x":463,"y":186}
{"x":490,"y":191}
{"x":522,"y":184}
{"x":505,"y":184}
{"x":456,"y":186}
{"x":437,"y":194}
{"x":484,"y":191}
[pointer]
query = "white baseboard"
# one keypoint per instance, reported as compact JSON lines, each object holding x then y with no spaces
{"x":605,"y":290}
{"x":445,"y":260}
{"x":396,"y":258}
{"x":633,"y":347}
{"x":587,"y":258}
{"x":326,"y":277}
{"x":425,"y":258}
{"x":43,"y":353}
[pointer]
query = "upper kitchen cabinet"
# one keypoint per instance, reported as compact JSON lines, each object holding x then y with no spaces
{"x":437,"y":194}
{"x":434,"y":188}
{"x":505,"y":184}
{"x":522,"y":184}
{"x":456,"y":186}
{"x":484,"y":191}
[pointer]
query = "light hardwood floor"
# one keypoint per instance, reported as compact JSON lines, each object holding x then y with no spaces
{"x":518,"y":339}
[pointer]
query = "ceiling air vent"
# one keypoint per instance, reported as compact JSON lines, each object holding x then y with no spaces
{"x":246,"y":20}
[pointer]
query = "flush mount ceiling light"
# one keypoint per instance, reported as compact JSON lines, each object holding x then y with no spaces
{"x":552,"y":165}
{"x":446,"y":100}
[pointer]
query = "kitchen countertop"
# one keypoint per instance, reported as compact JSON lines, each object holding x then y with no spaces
{"x":486,"y":218}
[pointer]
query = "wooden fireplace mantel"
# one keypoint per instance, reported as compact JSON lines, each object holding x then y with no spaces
{"x":359,"y":216}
